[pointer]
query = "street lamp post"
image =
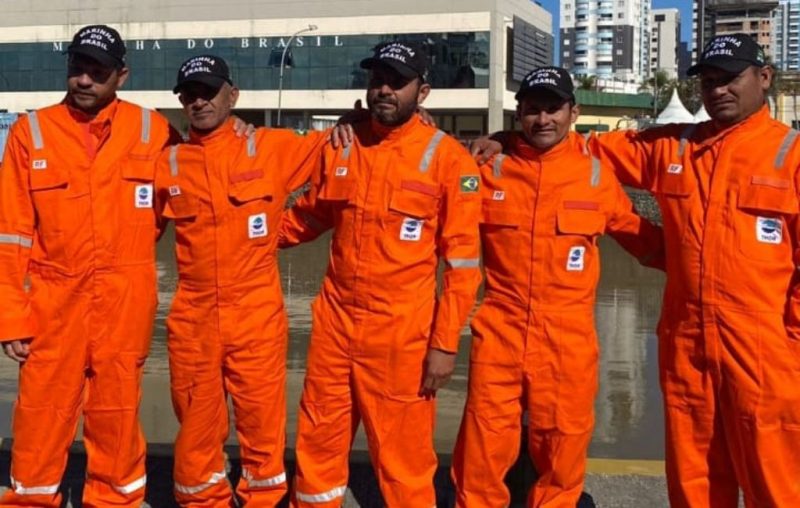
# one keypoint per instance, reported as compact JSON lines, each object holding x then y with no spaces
{"x":309,"y":28}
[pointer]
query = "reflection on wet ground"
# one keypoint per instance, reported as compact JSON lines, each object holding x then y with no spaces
{"x":628,"y":408}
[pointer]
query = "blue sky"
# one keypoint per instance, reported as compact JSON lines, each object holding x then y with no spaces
{"x":684,"y":5}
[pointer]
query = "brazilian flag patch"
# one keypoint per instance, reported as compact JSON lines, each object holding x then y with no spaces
{"x":470,"y":183}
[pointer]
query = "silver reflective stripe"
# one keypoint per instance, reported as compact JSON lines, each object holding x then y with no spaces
{"x":346,"y":152}
{"x":41,"y":490}
{"x":324,"y":497}
{"x":251,"y":145}
{"x":194,"y":489}
{"x":36,"y":131}
{"x":464,"y":262}
{"x":23,"y":241}
{"x":586,"y":137}
{"x":788,"y":141}
{"x":173,"y":160}
{"x":595,"y":181}
{"x":132,"y":486}
{"x":427,"y":157}
{"x":685,"y":135}
{"x":264,"y":482}
{"x":497,"y":166}
{"x":145,"y":125}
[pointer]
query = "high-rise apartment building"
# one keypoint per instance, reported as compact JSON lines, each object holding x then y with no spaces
{"x":786,"y":36}
{"x":719,"y":17}
{"x":609,"y":39}
{"x":665,"y":38}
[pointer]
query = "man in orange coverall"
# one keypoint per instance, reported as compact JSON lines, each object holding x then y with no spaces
{"x":730,"y":325}
{"x":400,"y":198}
{"x":76,"y":217}
{"x":227,"y":329}
{"x":729,"y":335}
{"x":534,"y":344}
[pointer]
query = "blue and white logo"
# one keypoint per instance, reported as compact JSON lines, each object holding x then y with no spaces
{"x":341,"y":171}
{"x":257,"y":226}
{"x":769,"y":230}
{"x":144,"y":196}
{"x":411,"y":230}
{"x":575,"y":258}
{"x":499,"y":195}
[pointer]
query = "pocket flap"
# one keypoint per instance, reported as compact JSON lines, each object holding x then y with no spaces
{"x":768,"y":194}
{"x":141,"y":168}
{"x":500,"y":215}
{"x":249,"y":190}
{"x":676,"y":184}
{"x":181,"y":206}
{"x":416,"y":199}
{"x":337,"y":188}
{"x":575,"y":221}
{"x":49,"y":178}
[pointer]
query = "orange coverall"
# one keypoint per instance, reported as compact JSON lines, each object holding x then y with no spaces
{"x":534,"y":343}
{"x":398,"y":200}
{"x":729,"y":354}
{"x":227,"y":328}
{"x":76,"y":217}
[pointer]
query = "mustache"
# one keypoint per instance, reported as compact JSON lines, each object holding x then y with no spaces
{"x":385,"y":100}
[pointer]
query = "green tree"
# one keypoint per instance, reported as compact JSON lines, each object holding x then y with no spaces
{"x":587,"y":82}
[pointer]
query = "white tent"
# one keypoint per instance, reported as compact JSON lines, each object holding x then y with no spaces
{"x":701,"y":115}
{"x":675,"y":112}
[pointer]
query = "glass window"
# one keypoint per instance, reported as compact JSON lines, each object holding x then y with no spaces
{"x":312,"y":63}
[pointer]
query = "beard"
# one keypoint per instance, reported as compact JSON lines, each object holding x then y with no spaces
{"x":389,"y":112}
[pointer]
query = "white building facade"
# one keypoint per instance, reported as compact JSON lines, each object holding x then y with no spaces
{"x":609,"y":39}
{"x":665,"y":29}
{"x":477,"y":47}
{"x":786,"y":36}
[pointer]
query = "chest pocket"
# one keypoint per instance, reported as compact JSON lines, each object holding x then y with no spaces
{"x":581,"y":222}
{"x":496,"y":215}
{"x":764,"y":205}
{"x":252,"y":202}
{"x":337,"y":188}
{"x":415,"y":199}
{"x":245,"y":191}
{"x":182,"y":205}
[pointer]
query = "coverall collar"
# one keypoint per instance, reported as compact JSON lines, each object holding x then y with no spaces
{"x":105,"y":115}
{"x":391,"y":134}
{"x":713,"y":134}
{"x":221,"y":134}
{"x":527,"y":151}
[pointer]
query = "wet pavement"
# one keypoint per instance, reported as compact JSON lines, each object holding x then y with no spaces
{"x":629,"y":425}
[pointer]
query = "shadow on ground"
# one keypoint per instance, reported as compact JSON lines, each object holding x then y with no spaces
{"x":363,"y":487}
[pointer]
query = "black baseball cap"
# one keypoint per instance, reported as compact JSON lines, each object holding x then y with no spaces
{"x":552,"y":79}
{"x":206,"y":69}
{"x":101,"y":43}
{"x":732,"y":53}
{"x":407,"y":58}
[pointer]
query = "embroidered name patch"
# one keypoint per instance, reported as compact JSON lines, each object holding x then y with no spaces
{"x":769,"y":230}
{"x":575,"y":258}
{"x":411,"y":230}
{"x":257,"y":225}
{"x":144,"y":196}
